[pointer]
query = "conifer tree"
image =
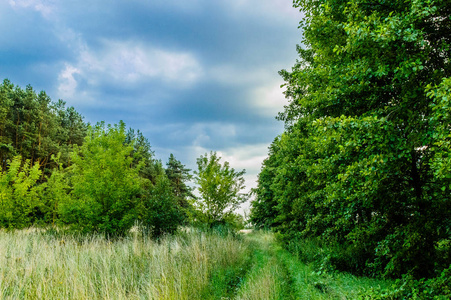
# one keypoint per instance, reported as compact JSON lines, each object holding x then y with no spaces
{"x":179,"y":176}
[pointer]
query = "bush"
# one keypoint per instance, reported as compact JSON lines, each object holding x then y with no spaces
{"x":19,"y":201}
{"x":105,"y":184}
{"x":409,"y":288}
{"x":159,"y":212}
{"x":329,"y":256}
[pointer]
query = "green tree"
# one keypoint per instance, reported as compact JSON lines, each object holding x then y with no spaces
{"x":105,"y":183}
{"x":53,"y":192}
{"x":6,"y":148}
{"x":32,"y":126}
{"x":363,"y":161}
{"x":440,"y":121}
{"x":220,"y":188}
{"x":150,"y":168}
{"x":159,"y":211}
{"x":18,"y":194}
{"x":179,"y":176}
{"x":264,"y":206}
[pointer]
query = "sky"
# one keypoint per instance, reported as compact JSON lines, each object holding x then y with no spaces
{"x":193,"y":76}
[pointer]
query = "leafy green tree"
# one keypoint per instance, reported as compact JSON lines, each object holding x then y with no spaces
{"x":53,"y":192}
{"x":234,"y":221}
{"x":440,"y":121}
{"x":363,"y":162}
{"x":159,"y":211}
{"x":35,"y":128}
{"x":264,"y":207}
{"x":18,"y":194}
{"x":220,"y":188}
{"x":150,"y":168}
{"x":105,"y":184}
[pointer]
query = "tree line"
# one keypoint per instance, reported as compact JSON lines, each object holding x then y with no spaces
{"x":363,"y":167}
{"x":58,"y":170}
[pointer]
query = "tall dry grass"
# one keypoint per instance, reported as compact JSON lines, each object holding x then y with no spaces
{"x":36,"y":265}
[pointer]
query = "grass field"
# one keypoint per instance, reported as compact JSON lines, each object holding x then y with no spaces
{"x":191,"y":265}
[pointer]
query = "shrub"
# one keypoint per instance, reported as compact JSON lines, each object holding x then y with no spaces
{"x":159,"y":212}
{"x":409,"y":288}
{"x":105,"y":184}
{"x":19,"y":201}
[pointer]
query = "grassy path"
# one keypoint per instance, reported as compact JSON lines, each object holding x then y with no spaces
{"x":276,"y":274}
{"x":268,"y":277}
{"x":191,"y":265}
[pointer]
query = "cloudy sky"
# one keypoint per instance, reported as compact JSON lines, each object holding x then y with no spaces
{"x":192,"y":75}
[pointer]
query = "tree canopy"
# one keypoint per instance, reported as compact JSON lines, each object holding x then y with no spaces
{"x":34,"y":127}
{"x":364,"y":159}
{"x":58,"y":170}
{"x":55,"y":169}
{"x":105,"y":185}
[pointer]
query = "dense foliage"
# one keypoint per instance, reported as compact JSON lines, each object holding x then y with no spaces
{"x":32,"y":130}
{"x":33,"y":126}
{"x":160,"y":212}
{"x":364,"y":162}
{"x":57,"y":170}
{"x":104,"y":184}
{"x":18,"y":194}
{"x":220,"y":189}
{"x":179,"y":177}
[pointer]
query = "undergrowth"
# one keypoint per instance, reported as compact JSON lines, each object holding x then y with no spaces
{"x":193,"y":264}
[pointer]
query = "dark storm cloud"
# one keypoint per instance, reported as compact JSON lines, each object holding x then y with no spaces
{"x":212,"y":29}
{"x":193,"y":75}
{"x":29,"y":53}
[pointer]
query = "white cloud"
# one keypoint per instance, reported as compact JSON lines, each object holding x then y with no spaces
{"x":268,"y":99}
{"x":132,"y":62}
{"x":45,"y":7}
{"x":126,"y":64}
{"x":250,"y":158}
{"x":67,"y":82}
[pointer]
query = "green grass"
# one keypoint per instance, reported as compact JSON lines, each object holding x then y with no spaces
{"x":268,"y":277}
{"x":191,"y":265}
{"x":279,"y":275}
{"x":34,"y":265}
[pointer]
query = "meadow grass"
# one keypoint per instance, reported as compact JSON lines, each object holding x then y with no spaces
{"x":267,"y":278}
{"x":277,"y":274}
{"x":36,"y":265}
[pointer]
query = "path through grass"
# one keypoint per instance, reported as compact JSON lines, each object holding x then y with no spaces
{"x":276,"y":274}
{"x":194,"y":265}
